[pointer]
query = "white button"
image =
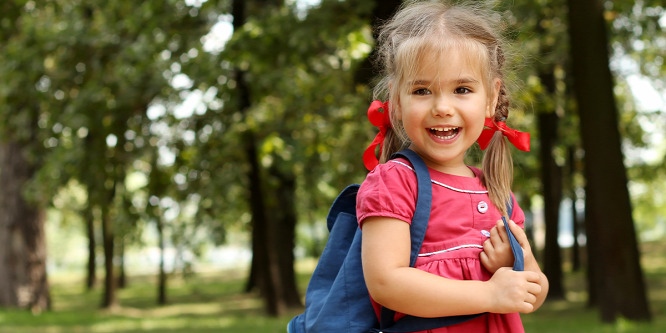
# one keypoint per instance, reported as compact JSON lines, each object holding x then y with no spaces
{"x":482,"y":207}
{"x":485,"y":233}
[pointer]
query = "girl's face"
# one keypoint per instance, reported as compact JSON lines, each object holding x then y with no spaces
{"x":443,"y":108}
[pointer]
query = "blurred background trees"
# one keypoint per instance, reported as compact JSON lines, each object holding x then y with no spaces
{"x":194,"y":120}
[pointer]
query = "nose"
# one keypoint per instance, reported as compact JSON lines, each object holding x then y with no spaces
{"x":442,"y":107}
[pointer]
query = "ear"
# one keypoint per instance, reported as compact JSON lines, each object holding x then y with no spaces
{"x":397,"y":110}
{"x":494,"y":95}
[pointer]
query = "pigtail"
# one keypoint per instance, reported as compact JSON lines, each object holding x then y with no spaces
{"x":392,"y":145}
{"x":497,"y":162}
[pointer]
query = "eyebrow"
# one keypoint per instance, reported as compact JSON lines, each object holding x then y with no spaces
{"x":462,"y":80}
{"x":467,"y":80}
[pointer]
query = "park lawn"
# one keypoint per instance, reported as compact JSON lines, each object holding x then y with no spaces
{"x":213,"y":302}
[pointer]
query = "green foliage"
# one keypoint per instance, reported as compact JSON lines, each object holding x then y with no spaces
{"x":81,"y":78}
{"x":539,"y":28}
{"x":306,"y":113}
{"x":638,"y":39}
{"x":123,"y":99}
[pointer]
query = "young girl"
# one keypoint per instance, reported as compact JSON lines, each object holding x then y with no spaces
{"x":443,"y":78}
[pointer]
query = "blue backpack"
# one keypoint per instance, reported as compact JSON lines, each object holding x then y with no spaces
{"x":337,"y":299}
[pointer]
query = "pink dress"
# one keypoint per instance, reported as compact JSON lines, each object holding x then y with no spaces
{"x":460,"y":220}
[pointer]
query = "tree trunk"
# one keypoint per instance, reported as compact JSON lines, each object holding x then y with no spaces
{"x":382,"y":11}
{"x":265,"y":271}
{"x":23,"y":279}
{"x":284,"y":235}
{"x":613,"y":250}
{"x":161,"y":285}
{"x":551,"y":176}
{"x":92,"y":262}
{"x":256,"y":207}
{"x":122,"y":277}
{"x":110,"y":298}
{"x":575,"y":232}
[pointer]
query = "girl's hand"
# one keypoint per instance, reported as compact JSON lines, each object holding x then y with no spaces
{"x":530,"y":261}
{"x":497,"y":249}
{"x":498,"y":255}
{"x":513,"y":291}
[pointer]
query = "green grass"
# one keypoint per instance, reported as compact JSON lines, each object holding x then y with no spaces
{"x":203,"y":303}
{"x":213,"y":302}
{"x":573,"y":315}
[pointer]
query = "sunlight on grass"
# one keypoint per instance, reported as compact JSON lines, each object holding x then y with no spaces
{"x":214,"y":302}
{"x":206,"y":303}
{"x":192,"y":309}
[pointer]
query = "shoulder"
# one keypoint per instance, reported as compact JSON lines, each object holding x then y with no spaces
{"x":396,"y":174}
{"x":389,"y":190}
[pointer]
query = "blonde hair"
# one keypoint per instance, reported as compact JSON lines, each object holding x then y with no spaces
{"x":420,"y":27}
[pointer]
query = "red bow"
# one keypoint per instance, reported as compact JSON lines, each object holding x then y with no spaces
{"x":383,"y":122}
{"x":519,"y":139}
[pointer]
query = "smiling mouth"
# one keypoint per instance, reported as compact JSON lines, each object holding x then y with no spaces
{"x":445,"y":133}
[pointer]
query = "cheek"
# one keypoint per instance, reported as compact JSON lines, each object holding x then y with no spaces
{"x":477,"y":123}
{"x":474,"y":126}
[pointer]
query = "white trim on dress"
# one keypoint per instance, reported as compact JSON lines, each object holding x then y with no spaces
{"x":442,"y":184}
{"x":450,"y":249}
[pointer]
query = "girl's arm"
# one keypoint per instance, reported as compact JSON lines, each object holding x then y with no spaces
{"x":394,"y":284}
{"x":497,"y":253}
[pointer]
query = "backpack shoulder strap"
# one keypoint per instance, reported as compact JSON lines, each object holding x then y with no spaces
{"x":419,"y":223}
{"x":519,"y":258}
{"x":423,"y":202}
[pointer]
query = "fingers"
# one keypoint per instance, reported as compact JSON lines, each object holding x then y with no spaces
{"x":488,"y":257}
{"x":532,"y":289}
{"x":532,"y":277}
{"x":498,"y":232}
{"x":488,"y":245}
{"x":501,"y":231}
{"x":512,"y":291}
{"x":520,"y":290}
{"x":496,"y":250}
{"x":530,"y":298}
{"x":485,"y":261}
{"x":519,"y":233}
{"x":527,"y":308}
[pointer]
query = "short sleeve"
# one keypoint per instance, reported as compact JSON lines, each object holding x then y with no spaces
{"x":388,"y":191}
{"x":518,"y":215}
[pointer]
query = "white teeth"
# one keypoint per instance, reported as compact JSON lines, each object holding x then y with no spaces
{"x":451,"y":131}
{"x":443,"y":129}
{"x":445,"y":137}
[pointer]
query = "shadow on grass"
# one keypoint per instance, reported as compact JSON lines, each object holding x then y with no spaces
{"x":573,"y":314}
{"x":215,"y":302}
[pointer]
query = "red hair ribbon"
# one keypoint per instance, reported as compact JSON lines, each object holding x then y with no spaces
{"x":519,"y":139}
{"x":383,"y":122}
